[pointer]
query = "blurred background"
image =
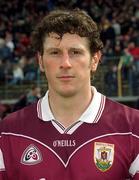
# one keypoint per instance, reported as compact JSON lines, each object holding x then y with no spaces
{"x":21,"y":82}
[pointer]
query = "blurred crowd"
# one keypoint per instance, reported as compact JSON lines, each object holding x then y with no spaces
{"x":30,"y":96}
{"x":118,"y":21}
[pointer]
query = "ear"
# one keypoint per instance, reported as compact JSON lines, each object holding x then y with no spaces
{"x":40,"y":61}
{"x":95,"y":61}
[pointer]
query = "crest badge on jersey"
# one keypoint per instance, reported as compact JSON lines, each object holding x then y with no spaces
{"x":31,"y":155}
{"x":103,"y":155}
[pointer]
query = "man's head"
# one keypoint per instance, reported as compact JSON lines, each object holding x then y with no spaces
{"x":68,"y":48}
{"x":67,"y":21}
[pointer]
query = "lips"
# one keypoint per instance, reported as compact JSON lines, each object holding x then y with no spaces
{"x":65,"y":77}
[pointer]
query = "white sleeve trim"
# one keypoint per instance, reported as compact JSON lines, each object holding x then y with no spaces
{"x":134,"y":168}
{"x":2,"y":166}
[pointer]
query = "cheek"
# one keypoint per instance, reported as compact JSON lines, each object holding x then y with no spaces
{"x":49,"y":70}
{"x":43,"y":65}
{"x":84,"y":70}
{"x":85,"y":66}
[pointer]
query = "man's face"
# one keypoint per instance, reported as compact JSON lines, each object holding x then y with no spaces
{"x":67,"y":63}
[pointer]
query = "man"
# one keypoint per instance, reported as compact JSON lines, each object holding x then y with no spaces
{"x":73,"y":132}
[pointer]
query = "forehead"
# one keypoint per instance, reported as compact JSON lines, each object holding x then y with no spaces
{"x":67,"y":40}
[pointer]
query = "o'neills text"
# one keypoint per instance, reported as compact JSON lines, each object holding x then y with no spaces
{"x":64,"y":143}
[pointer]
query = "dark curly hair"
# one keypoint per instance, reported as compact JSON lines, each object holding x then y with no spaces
{"x":67,"y":21}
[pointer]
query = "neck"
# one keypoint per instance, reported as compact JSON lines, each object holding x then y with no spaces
{"x":68,"y":110}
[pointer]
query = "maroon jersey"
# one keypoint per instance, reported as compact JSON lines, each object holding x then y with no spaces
{"x":103,"y":144}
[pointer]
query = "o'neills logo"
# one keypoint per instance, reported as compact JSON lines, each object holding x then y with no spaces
{"x":64,"y":143}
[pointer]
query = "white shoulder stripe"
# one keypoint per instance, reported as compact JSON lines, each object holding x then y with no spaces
{"x":101,"y":108}
{"x":134,"y":168}
{"x":2,"y":166}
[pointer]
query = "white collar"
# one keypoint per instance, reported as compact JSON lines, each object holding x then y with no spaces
{"x":91,"y":115}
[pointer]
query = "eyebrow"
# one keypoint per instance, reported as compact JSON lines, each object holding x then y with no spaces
{"x":51,"y":49}
{"x":71,"y":48}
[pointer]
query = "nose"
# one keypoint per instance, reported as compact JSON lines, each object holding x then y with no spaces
{"x":65,"y":61}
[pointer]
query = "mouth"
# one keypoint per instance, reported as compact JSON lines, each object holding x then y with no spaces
{"x":66,"y":77}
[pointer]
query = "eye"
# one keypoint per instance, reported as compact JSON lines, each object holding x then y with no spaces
{"x":76,"y":52}
{"x":54,"y":52}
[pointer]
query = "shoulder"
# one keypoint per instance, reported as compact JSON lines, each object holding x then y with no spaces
{"x":121,"y":109}
{"x":19,"y":119}
{"x":122,"y":115}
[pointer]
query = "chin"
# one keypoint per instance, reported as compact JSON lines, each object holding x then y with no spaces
{"x":67,"y":93}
